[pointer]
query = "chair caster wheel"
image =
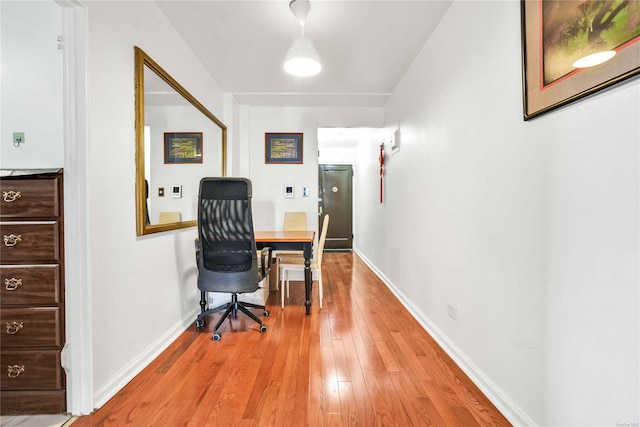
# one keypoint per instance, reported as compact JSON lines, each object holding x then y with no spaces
{"x":217,"y":336}
{"x":199,"y":323}
{"x":266,"y":313}
{"x":263,"y":328}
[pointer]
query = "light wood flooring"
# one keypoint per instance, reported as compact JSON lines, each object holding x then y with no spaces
{"x":361,"y":360}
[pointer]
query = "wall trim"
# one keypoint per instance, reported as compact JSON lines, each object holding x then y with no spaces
{"x":505,"y":405}
{"x":77,"y":356}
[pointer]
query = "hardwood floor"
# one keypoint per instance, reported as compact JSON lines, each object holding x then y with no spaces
{"x":360,"y":361}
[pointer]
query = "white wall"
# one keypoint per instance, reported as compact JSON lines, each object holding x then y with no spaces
{"x":336,"y":155}
{"x":179,"y":119}
{"x":144,"y":289}
{"x":530,"y":229}
{"x":269,"y":204}
{"x":269,"y":180}
{"x":31,"y":85}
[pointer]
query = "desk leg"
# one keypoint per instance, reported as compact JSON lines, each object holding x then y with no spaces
{"x":308,"y":279}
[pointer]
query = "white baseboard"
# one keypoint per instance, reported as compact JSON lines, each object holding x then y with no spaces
{"x":505,"y":405}
{"x":133,"y":368}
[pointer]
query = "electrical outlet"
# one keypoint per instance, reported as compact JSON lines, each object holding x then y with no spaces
{"x":452,"y":311}
{"x":18,"y":138}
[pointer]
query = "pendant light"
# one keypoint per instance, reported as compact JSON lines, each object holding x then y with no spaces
{"x":302,"y":57}
{"x":595,"y":52}
{"x":594,"y":59}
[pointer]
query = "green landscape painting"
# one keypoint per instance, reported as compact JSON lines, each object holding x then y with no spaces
{"x":574,"y":29}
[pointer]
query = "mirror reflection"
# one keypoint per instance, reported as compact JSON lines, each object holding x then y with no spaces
{"x":178,"y":141}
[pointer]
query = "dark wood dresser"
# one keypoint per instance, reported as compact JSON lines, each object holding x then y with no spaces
{"x":32,"y":379}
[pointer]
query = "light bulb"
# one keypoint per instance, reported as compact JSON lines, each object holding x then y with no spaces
{"x":302,"y":58}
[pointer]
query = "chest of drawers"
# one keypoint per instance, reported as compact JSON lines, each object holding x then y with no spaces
{"x":32,"y":380}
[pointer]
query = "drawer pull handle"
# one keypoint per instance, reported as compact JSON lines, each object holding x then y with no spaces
{"x":12,"y":284}
{"x":14,"y":327}
{"x":13,"y":371}
{"x":12,"y":239}
{"x":11,"y":196}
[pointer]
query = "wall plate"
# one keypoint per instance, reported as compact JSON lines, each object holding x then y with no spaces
{"x":394,"y":141}
{"x":288,"y":192}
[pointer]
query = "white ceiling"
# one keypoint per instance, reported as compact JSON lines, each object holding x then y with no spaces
{"x":365,"y":46}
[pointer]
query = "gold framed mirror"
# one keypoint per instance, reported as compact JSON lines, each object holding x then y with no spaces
{"x":178,"y":141}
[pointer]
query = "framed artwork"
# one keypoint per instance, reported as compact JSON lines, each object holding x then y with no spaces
{"x":283,"y":148}
{"x":557,"y":33}
{"x":180,"y":147}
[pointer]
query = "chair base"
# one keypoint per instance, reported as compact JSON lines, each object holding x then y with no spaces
{"x":231,"y":309}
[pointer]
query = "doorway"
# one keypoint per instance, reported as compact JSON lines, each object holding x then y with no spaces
{"x":335,"y":197}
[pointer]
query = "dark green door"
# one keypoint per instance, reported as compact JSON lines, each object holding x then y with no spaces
{"x":335,"y":199}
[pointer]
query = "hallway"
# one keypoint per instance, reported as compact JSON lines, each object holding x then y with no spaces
{"x":360,"y":361}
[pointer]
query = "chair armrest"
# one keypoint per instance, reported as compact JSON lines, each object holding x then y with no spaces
{"x":197,"y":244}
{"x":265,"y":261}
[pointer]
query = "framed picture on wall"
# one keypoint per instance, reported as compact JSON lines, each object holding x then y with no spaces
{"x":284,"y":148}
{"x":560,"y":36}
{"x":182,"y":147}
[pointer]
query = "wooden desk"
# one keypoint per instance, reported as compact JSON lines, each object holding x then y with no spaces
{"x":296,"y":240}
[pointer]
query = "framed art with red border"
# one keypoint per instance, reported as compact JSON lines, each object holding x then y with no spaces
{"x":181,"y":147}
{"x":555,"y":33}
{"x":283,"y":148}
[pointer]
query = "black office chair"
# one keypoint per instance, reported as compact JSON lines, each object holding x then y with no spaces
{"x":226,"y":252}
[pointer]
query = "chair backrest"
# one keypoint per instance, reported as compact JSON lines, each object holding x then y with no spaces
{"x":227,"y":259}
{"x":167,"y":217}
{"x":295,"y":221}
{"x":323,"y":237}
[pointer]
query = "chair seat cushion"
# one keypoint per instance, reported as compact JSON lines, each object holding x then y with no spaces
{"x":295,"y":260}
{"x":287,"y":252}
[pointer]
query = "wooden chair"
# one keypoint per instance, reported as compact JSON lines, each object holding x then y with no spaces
{"x":296,"y":263}
{"x":293,"y":221}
